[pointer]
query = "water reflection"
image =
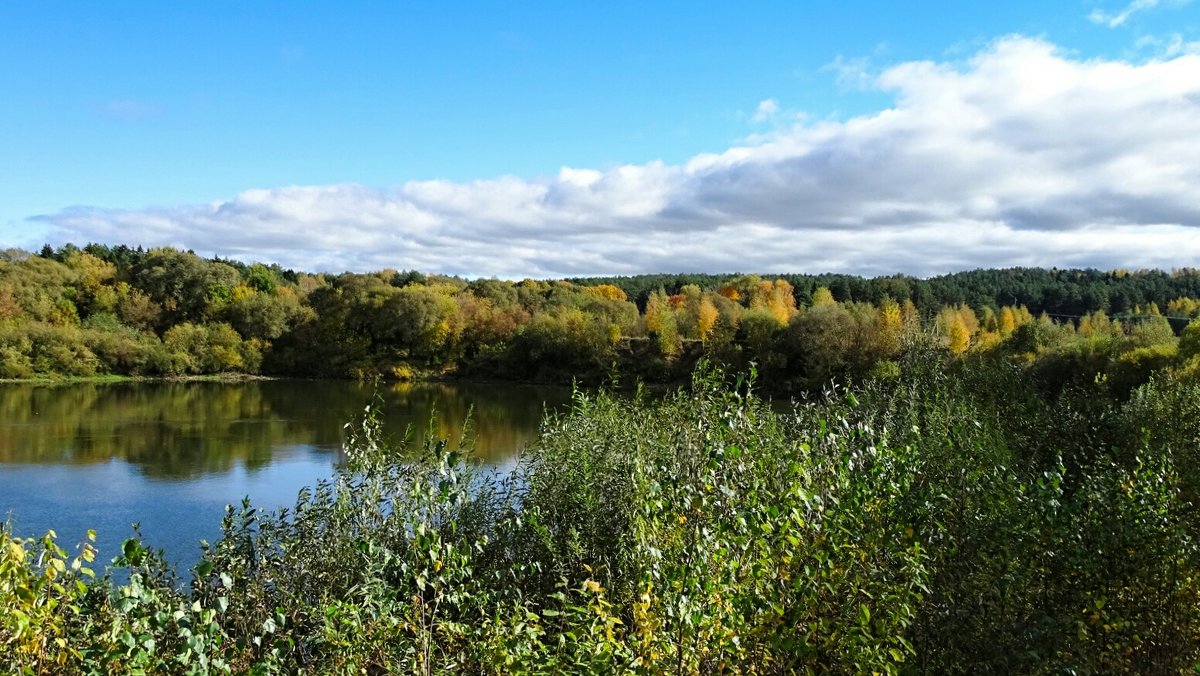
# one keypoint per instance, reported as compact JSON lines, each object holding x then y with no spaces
{"x":171,"y":455}
{"x":191,"y":429}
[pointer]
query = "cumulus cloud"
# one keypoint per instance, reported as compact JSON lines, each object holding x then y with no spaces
{"x":1019,"y":155}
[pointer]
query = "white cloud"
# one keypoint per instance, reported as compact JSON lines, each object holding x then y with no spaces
{"x":1168,"y":47}
{"x":766,"y":110}
{"x":1019,"y":155}
{"x":852,"y":73}
{"x":1114,"y":19}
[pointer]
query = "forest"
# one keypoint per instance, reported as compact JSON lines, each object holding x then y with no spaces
{"x":101,"y":310}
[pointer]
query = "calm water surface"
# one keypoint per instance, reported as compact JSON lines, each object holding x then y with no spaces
{"x":172,"y":455}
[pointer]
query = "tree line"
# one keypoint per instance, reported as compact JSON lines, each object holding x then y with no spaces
{"x":102,"y":309}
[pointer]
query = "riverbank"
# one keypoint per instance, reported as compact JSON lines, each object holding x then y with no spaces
{"x":113,"y":378}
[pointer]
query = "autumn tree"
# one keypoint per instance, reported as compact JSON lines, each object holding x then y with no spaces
{"x":686,"y":305}
{"x":1098,"y":325}
{"x":891,"y":326}
{"x":606,"y":291}
{"x":96,"y":292}
{"x":422,"y":324}
{"x":1005,"y":322}
{"x":660,"y":322}
{"x":1151,"y":329}
{"x":706,"y":318}
{"x":822,"y":296}
{"x":209,"y":348}
{"x":9,"y":307}
{"x":953,"y":325}
{"x":488,"y":326}
{"x":778,"y":298}
{"x":135,"y":308}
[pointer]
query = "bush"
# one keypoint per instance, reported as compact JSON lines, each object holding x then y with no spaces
{"x":942,"y":519}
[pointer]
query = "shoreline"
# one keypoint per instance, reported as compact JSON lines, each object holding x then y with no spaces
{"x":113,"y":378}
{"x":232,"y":378}
{"x":250,"y":377}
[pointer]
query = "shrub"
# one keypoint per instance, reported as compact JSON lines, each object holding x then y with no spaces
{"x":946,"y":518}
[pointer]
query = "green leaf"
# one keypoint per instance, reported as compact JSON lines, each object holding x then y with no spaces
{"x":203,"y":568}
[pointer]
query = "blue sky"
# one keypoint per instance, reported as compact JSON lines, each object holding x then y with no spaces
{"x":413,"y":125}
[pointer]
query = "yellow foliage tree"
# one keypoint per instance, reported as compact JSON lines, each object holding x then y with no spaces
{"x":1023,"y":316}
{"x":606,"y":291}
{"x":707,"y":318}
{"x":728,"y":291}
{"x":783,"y":301}
{"x":891,"y":325}
{"x":960,"y":337}
{"x":777,"y":298}
{"x":1184,"y":307}
{"x":92,"y":271}
{"x":970,"y":321}
{"x":988,"y":321}
{"x":658,"y":308}
{"x":1007,"y":321}
{"x":952,"y":324}
{"x":1098,"y":324}
{"x":9,"y":307}
{"x":822,"y":296}
{"x":95,"y":279}
{"x":241,"y":293}
{"x":987,"y":340}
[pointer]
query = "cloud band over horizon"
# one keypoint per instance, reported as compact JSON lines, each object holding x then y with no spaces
{"x":1019,"y":156}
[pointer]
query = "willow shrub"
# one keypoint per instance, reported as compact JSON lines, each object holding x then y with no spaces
{"x":730,"y":540}
{"x":946,"y":520}
{"x":41,"y":598}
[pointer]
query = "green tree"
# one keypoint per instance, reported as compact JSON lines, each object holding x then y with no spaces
{"x":187,"y":287}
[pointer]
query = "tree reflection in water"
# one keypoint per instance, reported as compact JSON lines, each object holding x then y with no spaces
{"x":171,"y":455}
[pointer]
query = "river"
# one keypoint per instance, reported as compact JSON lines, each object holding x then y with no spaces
{"x":170,"y":456}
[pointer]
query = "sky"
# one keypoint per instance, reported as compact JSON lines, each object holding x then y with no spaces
{"x":546,"y":139}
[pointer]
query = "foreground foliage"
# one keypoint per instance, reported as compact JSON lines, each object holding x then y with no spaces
{"x":944,"y":517}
